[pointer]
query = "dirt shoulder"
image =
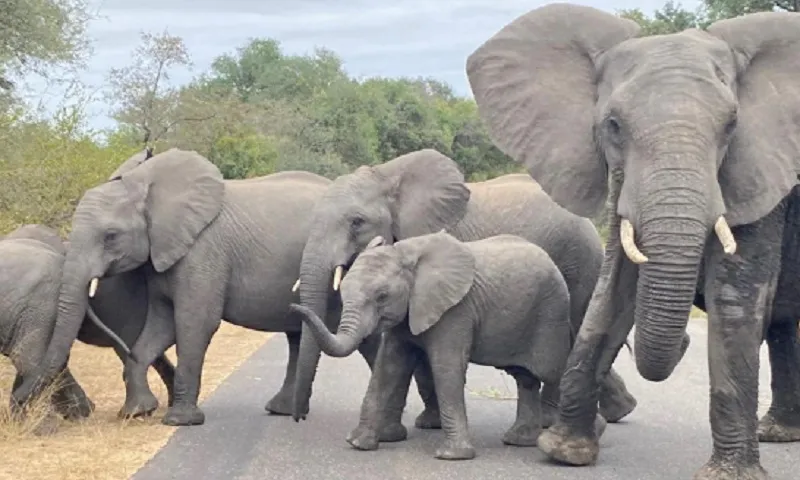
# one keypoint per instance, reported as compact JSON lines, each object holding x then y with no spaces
{"x":103,"y":447}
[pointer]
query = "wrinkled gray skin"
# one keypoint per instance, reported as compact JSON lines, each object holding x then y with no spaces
{"x":692,"y":126}
{"x":422,"y":192}
{"x":500,"y":301}
{"x":32,"y":257}
{"x":210,"y":249}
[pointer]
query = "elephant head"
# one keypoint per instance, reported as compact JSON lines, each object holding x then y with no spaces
{"x":700,"y":129}
{"x":417,"y":193}
{"x":153,"y":211}
{"x":419,"y":279}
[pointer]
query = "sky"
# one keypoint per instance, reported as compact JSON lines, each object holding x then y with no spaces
{"x":429,"y":38}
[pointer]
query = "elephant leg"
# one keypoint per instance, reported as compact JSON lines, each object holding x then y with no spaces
{"x":158,"y":334}
{"x":781,"y":423}
{"x":616,"y":402}
{"x":70,"y":400}
{"x":449,"y":367}
{"x":739,"y":291}
{"x":281,"y":403}
{"x":528,"y":424}
{"x":573,"y":439}
{"x":166,"y":371}
{"x":430,"y":418}
{"x":196,"y":322}
{"x":379,"y":420}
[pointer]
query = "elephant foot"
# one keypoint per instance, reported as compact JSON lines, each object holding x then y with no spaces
{"x":363,"y":438}
{"x":718,"y":471}
{"x":184,"y":415}
{"x":562,"y":445}
{"x":615,"y":407}
{"x":522,"y":435}
{"x":46,"y":426}
{"x":138,"y":406}
{"x":76,"y":410}
{"x":395,"y":432}
{"x":455,"y":450}
{"x":770,"y":429}
{"x":428,"y":419}
{"x":280,"y":404}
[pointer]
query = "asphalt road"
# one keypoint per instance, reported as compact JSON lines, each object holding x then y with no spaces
{"x":666,"y":437}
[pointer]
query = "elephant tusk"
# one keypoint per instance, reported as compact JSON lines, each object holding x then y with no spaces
{"x":725,"y":235}
{"x":628,"y":243}
{"x":296,"y":285}
{"x":93,"y":287}
{"x":337,"y":277}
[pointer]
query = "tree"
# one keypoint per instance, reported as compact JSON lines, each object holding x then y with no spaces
{"x":36,"y":36}
{"x":141,"y":94}
{"x":672,"y":18}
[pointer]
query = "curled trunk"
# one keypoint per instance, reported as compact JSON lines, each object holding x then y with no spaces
{"x":348,"y":337}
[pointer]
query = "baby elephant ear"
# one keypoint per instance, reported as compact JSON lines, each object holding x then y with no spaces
{"x":376,"y":242}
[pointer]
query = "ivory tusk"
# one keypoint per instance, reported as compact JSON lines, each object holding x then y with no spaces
{"x":725,"y":235}
{"x":337,"y":277}
{"x":93,"y":287}
{"x":628,"y":243}
{"x":296,"y":285}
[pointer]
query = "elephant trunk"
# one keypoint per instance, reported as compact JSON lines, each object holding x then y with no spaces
{"x":348,"y":337}
{"x":316,"y":276}
{"x":72,"y":304}
{"x":674,"y":233}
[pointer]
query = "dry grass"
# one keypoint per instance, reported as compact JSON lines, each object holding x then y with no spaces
{"x":103,"y":447}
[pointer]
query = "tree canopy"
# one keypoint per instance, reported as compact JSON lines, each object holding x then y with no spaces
{"x":256,"y":110}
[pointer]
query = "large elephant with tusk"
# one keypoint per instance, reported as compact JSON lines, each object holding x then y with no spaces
{"x":422,"y":192}
{"x":699,"y":135}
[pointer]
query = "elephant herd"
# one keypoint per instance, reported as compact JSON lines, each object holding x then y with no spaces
{"x":693,"y":138}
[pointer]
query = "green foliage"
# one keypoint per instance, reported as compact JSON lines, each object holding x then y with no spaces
{"x":673,"y":18}
{"x":257,"y":110}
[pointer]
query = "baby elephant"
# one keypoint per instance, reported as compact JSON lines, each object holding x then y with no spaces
{"x":499,"y":301}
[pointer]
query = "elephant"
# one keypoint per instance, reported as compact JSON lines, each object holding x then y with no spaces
{"x":421,"y":192}
{"x":208,"y":249}
{"x":499,"y":301}
{"x":32,"y":257}
{"x":694,"y":139}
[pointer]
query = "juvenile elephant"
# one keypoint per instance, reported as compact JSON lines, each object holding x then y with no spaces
{"x":500,"y":301}
{"x":422,"y":192}
{"x":31,"y":260}
{"x":208,"y":249}
{"x":699,"y":132}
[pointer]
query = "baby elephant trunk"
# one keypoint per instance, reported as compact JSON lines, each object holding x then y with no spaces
{"x":349,"y":336}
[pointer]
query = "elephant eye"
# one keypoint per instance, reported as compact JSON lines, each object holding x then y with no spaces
{"x":730,"y":126}
{"x":382,"y":296}
{"x":613,"y":126}
{"x":110,"y":236}
{"x":357,"y":221}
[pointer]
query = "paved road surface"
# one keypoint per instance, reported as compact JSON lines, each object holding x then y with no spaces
{"x":666,"y":437}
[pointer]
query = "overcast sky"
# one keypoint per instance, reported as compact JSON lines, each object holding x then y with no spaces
{"x":373,"y":37}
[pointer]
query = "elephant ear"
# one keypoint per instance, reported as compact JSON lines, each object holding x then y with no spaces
{"x":131,"y":163}
{"x":184,"y":193}
{"x":445,"y":270}
{"x":535,"y":85}
{"x":427,"y":192}
{"x":763,"y":157}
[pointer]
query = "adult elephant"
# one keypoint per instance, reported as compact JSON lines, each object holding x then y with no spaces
{"x":208,"y":249}
{"x":422,"y":192}
{"x":700,"y":132}
{"x":32,"y":258}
